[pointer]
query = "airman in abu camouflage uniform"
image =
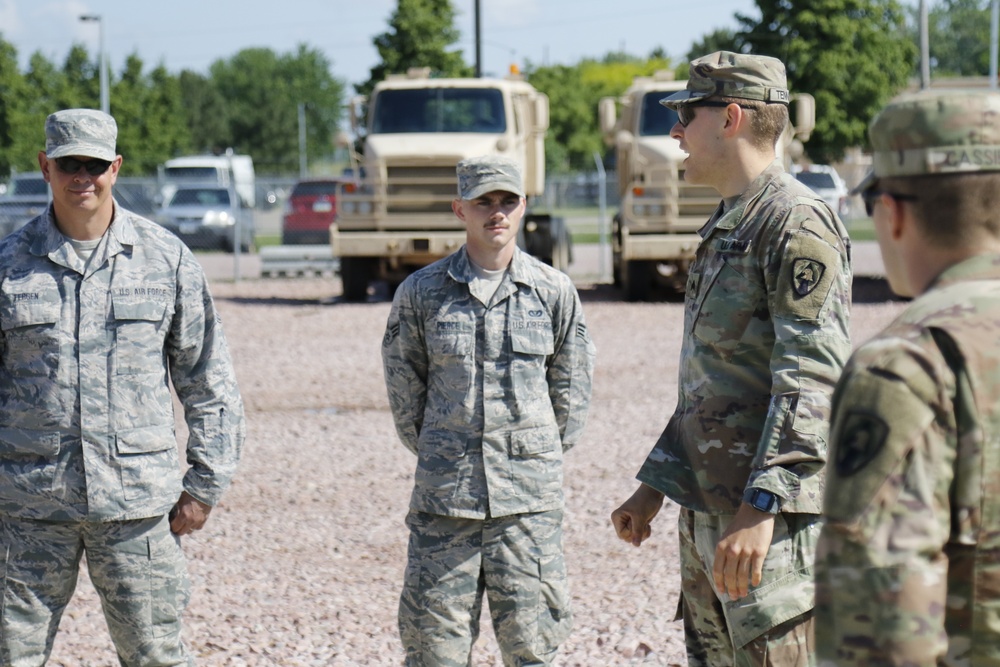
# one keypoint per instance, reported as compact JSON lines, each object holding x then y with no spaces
{"x":98,"y":308}
{"x":488,"y":367}
{"x":908,"y":567}
{"x":765,"y":338}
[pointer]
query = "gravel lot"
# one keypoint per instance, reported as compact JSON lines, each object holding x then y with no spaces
{"x":302,"y":562}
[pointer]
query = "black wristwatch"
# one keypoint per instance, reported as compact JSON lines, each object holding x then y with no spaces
{"x":762,"y":500}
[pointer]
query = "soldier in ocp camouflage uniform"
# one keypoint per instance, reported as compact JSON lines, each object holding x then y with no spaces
{"x":98,"y":308}
{"x":765,"y":338}
{"x":488,"y":367}
{"x":908,"y":567}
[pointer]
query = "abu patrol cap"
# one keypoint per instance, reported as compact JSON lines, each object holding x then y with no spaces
{"x":728,"y":74}
{"x":84,"y":132}
{"x":487,"y":173}
{"x":935,"y":132}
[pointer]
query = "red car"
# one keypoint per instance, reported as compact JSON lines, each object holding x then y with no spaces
{"x":309,"y":211}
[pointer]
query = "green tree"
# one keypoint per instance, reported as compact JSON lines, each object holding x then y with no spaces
{"x":264,"y":91}
{"x":13,"y":117}
{"x":420,"y":34}
{"x":722,"y":39}
{"x":574,"y":93}
{"x":205,"y":111}
{"x":959,"y":37}
{"x":851,"y":55}
{"x":151,"y":122}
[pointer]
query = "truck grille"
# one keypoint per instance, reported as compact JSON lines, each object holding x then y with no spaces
{"x":420,"y":190}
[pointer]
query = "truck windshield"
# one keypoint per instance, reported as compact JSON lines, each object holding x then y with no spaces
{"x":656,"y":119}
{"x":439,"y":110}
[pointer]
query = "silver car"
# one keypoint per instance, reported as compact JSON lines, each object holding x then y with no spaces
{"x":27,"y":196}
{"x":207,"y":216}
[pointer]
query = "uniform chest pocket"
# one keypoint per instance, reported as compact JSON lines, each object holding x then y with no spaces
{"x":531,"y":348}
{"x":534,"y":341}
{"x":726,"y":308}
{"x":30,"y":311}
{"x":452,"y":342}
{"x":140,"y":333}
{"x":452,"y":364}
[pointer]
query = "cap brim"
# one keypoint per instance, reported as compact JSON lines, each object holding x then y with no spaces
{"x":486,"y":188}
{"x":81,"y":149}
{"x":681,"y":98}
{"x":867,"y":182}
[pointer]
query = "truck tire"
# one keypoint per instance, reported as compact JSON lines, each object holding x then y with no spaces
{"x":638,"y":280}
{"x":355,"y":274}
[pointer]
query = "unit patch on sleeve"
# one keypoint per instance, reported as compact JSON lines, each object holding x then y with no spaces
{"x":809,"y":266}
{"x":806,"y":275}
{"x":862,"y":438}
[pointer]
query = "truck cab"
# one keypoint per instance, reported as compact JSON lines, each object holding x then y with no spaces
{"x":397,"y":217}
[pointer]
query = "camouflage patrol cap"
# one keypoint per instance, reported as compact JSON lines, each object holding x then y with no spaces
{"x":84,"y":132}
{"x":479,"y":175}
{"x":728,"y":74}
{"x":935,"y":132}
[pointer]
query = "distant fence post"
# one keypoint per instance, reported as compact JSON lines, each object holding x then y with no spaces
{"x":602,"y":216}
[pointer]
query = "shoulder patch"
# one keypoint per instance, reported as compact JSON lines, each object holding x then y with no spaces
{"x":862,"y":436}
{"x":877,"y":422}
{"x":809,"y":266}
{"x":391,"y":332}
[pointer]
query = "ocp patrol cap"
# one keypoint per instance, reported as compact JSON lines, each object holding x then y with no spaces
{"x":728,"y":74}
{"x":935,"y":132}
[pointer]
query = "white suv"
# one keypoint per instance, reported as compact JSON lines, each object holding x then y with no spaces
{"x":827,"y":183}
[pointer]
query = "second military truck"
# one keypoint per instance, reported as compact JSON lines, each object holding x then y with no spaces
{"x":397,"y":216}
{"x":654,"y":235}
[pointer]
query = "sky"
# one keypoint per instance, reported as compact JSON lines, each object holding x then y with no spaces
{"x":192,"y":34}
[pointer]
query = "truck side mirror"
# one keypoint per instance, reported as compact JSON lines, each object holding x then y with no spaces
{"x":356,"y":108}
{"x":541,"y":112}
{"x":805,"y":115}
{"x":607,"y":116}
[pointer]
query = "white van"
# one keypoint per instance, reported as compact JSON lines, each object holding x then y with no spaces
{"x":229,"y":170}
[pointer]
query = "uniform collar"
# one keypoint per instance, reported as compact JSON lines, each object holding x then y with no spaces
{"x":460,"y":269}
{"x":728,"y":219}
{"x":977,"y":267}
{"x":121,"y":233}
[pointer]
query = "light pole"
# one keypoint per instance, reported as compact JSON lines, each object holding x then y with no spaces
{"x":102,"y":62}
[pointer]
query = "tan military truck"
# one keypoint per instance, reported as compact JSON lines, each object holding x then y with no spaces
{"x":397,"y":217}
{"x":654,"y":234}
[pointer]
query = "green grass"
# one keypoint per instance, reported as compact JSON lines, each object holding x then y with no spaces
{"x":860,"y":229}
{"x":263,"y":240}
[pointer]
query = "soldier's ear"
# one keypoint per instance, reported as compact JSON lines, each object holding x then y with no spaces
{"x":456,"y":207}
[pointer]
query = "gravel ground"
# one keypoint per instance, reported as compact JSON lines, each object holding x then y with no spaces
{"x":302,"y":562}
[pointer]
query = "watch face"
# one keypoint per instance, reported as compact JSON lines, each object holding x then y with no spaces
{"x":763,"y":500}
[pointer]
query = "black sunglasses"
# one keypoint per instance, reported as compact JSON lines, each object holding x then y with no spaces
{"x":685,"y":113}
{"x":871,"y":195}
{"x":70,"y":165}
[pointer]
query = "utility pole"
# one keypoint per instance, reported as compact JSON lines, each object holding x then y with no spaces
{"x":925,"y":55}
{"x":994,"y":38}
{"x":102,"y":60}
{"x":303,"y":164}
{"x":479,"y":48}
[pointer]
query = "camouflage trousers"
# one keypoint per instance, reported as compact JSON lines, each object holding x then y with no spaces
{"x":516,"y":560}
{"x":137,"y":569}
{"x":773,"y":625}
